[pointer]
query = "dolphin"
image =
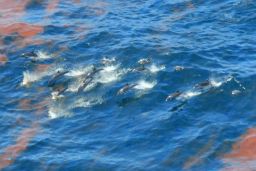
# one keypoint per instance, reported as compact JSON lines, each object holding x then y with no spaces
{"x":139,"y":69}
{"x":203,"y":84}
{"x":31,"y":54}
{"x":58,"y":91}
{"x":173,"y":95}
{"x":55,"y":77}
{"x":94,"y":71}
{"x":125,"y":88}
{"x":86,"y":82}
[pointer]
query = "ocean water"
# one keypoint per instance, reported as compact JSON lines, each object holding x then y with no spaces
{"x":188,"y":42}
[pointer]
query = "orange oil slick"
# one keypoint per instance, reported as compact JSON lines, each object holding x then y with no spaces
{"x":11,"y":13}
{"x":243,"y":154}
{"x":245,"y":149}
{"x":23,"y":29}
{"x":22,"y":142}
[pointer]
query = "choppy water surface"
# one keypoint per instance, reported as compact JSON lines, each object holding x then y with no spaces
{"x":96,"y":128}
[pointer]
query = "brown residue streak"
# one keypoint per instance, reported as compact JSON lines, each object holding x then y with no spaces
{"x":25,"y":104}
{"x":200,"y":155}
{"x":13,"y":151}
{"x":52,"y":5}
{"x":3,"y":59}
{"x":245,"y":149}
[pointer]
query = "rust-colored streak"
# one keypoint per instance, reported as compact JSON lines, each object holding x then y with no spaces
{"x":199,"y":156}
{"x":3,"y":59}
{"x":13,"y":151}
{"x":52,"y":5}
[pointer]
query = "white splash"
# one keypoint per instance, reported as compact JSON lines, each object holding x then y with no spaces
{"x":235,"y":92}
{"x":43,"y":55}
{"x":87,"y":102}
{"x":142,"y":85}
{"x":216,"y":83}
{"x":79,"y":71}
{"x":55,"y":96}
{"x":108,"y":61}
{"x":74,"y":86}
{"x":110,"y":68}
{"x":156,"y":68}
{"x":57,"y":111}
{"x":110,"y":73}
{"x":32,"y":76}
{"x":189,"y":94}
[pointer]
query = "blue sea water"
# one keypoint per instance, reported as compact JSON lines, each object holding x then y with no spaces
{"x":96,"y":129}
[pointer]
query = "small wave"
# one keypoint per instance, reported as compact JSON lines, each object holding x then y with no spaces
{"x":143,"y":85}
{"x":156,"y":68}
